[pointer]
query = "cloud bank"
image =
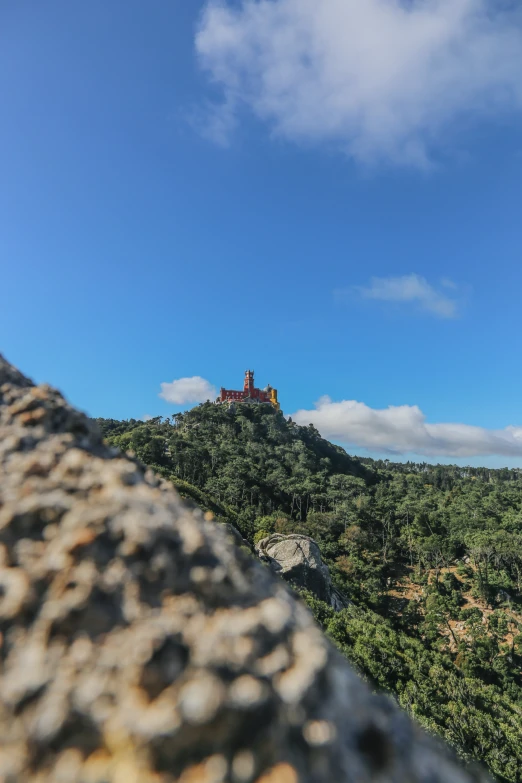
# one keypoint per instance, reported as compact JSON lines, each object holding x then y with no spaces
{"x":184,"y":390}
{"x":382,"y":79}
{"x":403,"y":429}
{"x":412,"y":289}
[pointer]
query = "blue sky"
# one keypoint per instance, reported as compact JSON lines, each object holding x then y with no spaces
{"x":328,"y":195}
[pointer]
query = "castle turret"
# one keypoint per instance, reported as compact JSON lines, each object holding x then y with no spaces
{"x":248,"y":387}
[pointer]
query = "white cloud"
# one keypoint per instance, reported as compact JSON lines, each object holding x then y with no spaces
{"x":411,"y":289}
{"x":382,"y":79}
{"x":403,"y":429}
{"x":183,"y":390}
{"x":147,"y":417}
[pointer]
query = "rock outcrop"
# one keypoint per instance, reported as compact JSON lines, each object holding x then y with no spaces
{"x":298,"y":560}
{"x":139,"y":645}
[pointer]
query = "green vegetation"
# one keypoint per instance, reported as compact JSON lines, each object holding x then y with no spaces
{"x":430,"y":556}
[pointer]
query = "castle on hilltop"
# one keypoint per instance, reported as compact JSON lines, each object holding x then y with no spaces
{"x":250,"y":394}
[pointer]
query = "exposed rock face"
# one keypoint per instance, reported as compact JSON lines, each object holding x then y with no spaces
{"x":298,"y":559}
{"x":139,"y":645}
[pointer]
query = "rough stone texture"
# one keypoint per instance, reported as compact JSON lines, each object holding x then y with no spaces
{"x":298,"y":560}
{"x":139,"y":645}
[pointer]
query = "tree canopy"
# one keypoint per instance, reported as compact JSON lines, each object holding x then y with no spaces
{"x":429,"y":555}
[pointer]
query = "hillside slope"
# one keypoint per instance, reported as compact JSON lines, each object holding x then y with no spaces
{"x":139,"y":645}
{"x":430,"y":556}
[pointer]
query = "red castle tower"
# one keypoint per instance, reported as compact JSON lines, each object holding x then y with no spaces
{"x":250,"y":394}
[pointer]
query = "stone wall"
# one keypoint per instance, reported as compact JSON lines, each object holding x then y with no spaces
{"x":139,"y":645}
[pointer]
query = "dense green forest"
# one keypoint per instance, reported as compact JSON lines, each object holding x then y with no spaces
{"x":429,"y":556}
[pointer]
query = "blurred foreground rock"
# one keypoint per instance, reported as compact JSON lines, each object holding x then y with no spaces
{"x":298,"y":560}
{"x":139,"y":645}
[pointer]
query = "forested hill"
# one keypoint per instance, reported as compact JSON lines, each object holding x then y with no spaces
{"x":249,"y":458}
{"x":430,"y":556}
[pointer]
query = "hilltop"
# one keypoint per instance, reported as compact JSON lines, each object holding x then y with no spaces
{"x":430,"y":557}
{"x":249,"y":458}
